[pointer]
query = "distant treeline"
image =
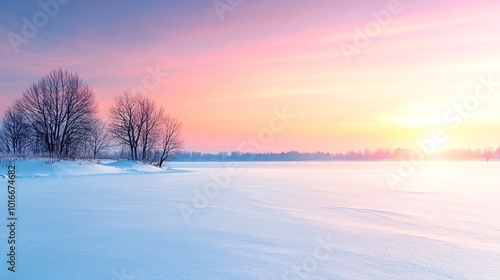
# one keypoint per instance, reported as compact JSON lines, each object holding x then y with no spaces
{"x":366,"y":155}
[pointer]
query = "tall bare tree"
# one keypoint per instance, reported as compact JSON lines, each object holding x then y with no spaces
{"x":124,"y":124}
{"x":152,"y":115}
{"x":60,"y":109}
{"x":135,"y":122}
{"x":171,"y":142}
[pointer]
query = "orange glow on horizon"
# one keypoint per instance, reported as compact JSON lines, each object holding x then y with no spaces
{"x":226,"y":78}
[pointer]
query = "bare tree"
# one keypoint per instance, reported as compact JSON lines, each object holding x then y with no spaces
{"x":98,"y":138}
{"x":488,"y":152}
{"x":15,"y":132}
{"x":60,"y":110}
{"x":135,"y":123}
{"x":152,"y":115}
{"x":171,"y":142}
{"x":124,"y":124}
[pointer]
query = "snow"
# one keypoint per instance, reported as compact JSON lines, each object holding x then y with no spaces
{"x":337,"y":220}
{"x":33,"y":168}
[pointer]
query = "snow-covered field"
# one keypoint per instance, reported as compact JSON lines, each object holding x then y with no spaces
{"x":258,"y":221}
{"x":34,"y":168}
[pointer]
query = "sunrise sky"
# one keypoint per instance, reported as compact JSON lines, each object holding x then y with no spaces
{"x":226,"y":77}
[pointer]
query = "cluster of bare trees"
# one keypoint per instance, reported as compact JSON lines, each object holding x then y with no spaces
{"x":143,"y":127}
{"x":57,"y":117}
{"x":53,"y":117}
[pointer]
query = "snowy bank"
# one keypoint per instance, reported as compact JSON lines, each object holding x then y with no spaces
{"x":36,"y":168}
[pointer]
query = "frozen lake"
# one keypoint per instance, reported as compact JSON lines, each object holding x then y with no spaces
{"x":335,"y":220}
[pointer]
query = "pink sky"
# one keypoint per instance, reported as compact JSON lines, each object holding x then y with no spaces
{"x":227,"y":77}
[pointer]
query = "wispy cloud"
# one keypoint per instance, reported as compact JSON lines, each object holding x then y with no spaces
{"x":268,"y":53}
